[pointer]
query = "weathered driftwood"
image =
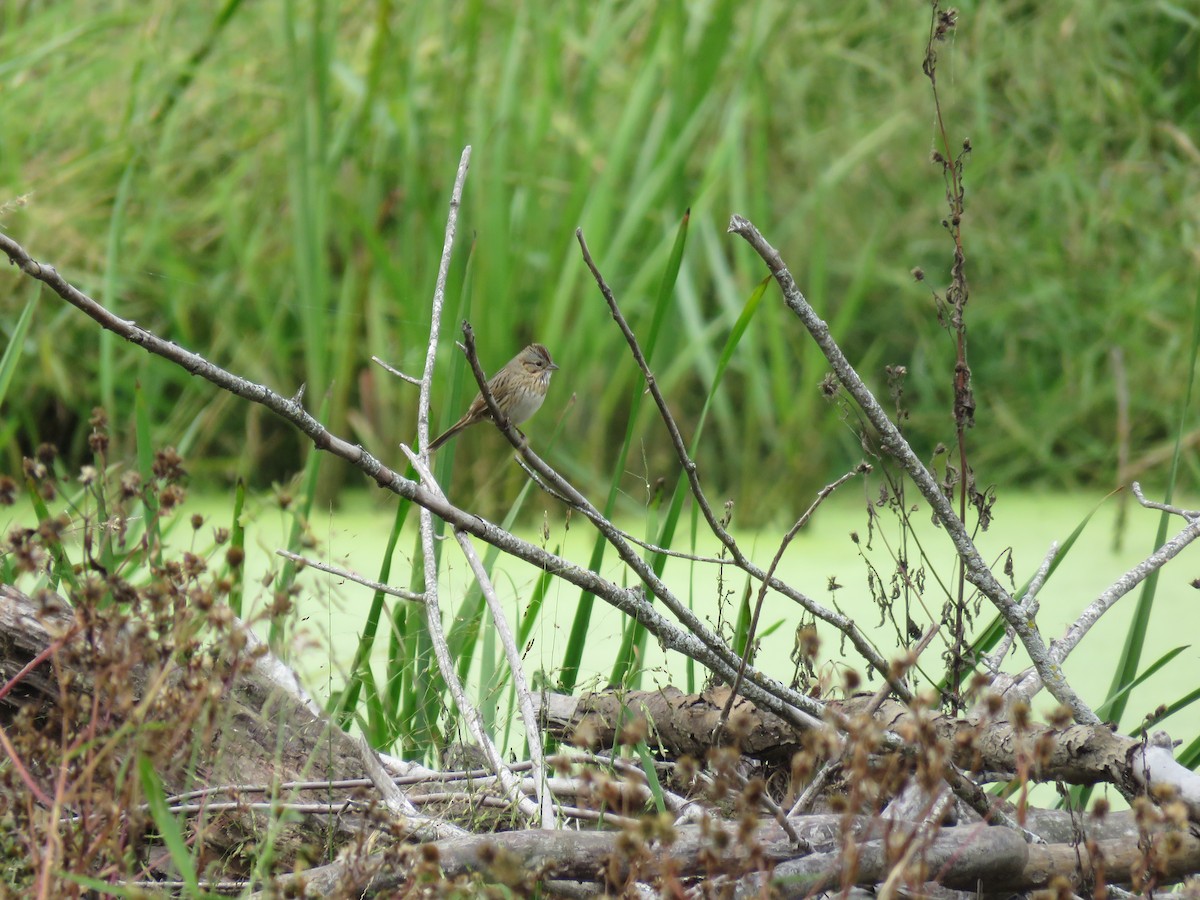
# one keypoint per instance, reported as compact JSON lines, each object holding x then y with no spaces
{"x":267,"y":735}
{"x":690,"y":725}
{"x":962,"y":857}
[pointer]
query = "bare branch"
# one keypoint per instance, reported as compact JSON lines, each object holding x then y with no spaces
{"x":351,"y":576}
{"x":629,"y":601}
{"x":762,"y":590}
{"x":394,"y":371}
{"x":1190,"y":514}
{"x":1062,"y":648}
{"x":720,"y":658}
{"x":893,"y":441}
{"x":844,"y":624}
{"x":439,"y":299}
{"x":1029,"y":603}
{"x":393,"y":798}
{"x":433,"y":613}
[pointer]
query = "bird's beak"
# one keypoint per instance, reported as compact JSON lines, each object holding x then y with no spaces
{"x":553,"y":367}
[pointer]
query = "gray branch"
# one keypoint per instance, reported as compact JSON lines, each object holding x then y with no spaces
{"x":897,"y":446}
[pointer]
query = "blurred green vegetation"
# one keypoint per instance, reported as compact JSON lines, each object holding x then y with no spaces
{"x":266,"y":183}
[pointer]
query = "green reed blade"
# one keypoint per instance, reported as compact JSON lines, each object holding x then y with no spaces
{"x":991,"y":634}
{"x":237,"y":543}
{"x":573,"y":654}
{"x":1135,"y":636}
{"x":1104,"y":710}
{"x":16,"y":343}
{"x":145,"y":457}
{"x":168,"y":826}
{"x":344,"y":708}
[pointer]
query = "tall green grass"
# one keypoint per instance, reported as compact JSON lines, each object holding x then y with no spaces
{"x":265,"y":183}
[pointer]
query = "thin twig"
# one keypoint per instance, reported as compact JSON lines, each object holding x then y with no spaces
{"x":235,"y":888}
{"x":23,"y":773}
{"x":439,"y":299}
{"x":673,"y":554}
{"x":762,"y":590}
{"x":844,"y":624}
{"x":767,"y":802}
{"x":1190,"y":514}
{"x":351,"y":576}
{"x":393,"y":798}
{"x":394,"y":371}
{"x":1029,"y":603}
{"x":796,"y":708}
{"x":512,"y":653}
{"x":1123,"y":586}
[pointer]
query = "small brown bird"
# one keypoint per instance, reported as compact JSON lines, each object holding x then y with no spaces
{"x":519,"y":389}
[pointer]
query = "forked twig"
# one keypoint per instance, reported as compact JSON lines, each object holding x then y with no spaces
{"x":844,"y":624}
{"x":1029,"y":603}
{"x":893,"y":441}
{"x":392,"y":370}
{"x":762,"y":590}
{"x":630,"y":601}
{"x":1062,"y":648}
{"x":800,"y":710}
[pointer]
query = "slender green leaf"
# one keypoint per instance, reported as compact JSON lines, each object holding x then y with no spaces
{"x":1104,"y":710}
{"x":1139,"y":624}
{"x":12,"y":353}
{"x":1190,"y":755}
{"x":741,"y":628}
{"x":168,"y":826}
{"x":359,"y":668}
{"x":577,"y":640}
{"x":62,"y":569}
{"x":1165,"y":712}
{"x":237,"y":543}
{"x":651,"y":774}
{"x":666,"y":535}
